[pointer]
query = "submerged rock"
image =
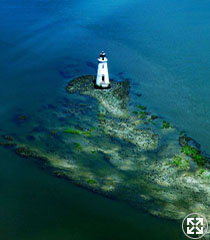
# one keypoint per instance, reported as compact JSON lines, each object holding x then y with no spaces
{"x":145,"y":139}
{"x":29,"y":153}
{"x":9,"y":138}
{"x":7,"y":144}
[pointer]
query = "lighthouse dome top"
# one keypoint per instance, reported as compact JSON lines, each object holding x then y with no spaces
{"x":102,"y":54}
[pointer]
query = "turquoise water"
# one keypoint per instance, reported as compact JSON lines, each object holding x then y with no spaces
{"x":162,"y":46}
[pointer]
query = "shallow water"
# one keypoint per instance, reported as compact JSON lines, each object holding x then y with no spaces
{"x":162,"y":46}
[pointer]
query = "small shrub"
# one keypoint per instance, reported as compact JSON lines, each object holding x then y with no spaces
{"x":166,"y":125}
{"x":135,"y":112}
{"x":91,"y":181}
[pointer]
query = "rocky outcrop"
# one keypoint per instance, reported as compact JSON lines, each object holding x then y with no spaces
{"x":114,"y":99}
{"x":127,"y":155}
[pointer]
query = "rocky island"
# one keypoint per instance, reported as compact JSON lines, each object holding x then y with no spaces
{"x":102,"y":144}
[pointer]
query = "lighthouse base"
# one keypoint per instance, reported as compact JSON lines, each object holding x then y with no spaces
{"x":104,"y":86}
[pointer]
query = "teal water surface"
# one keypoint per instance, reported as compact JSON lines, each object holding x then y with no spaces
{"x":162,"y":46}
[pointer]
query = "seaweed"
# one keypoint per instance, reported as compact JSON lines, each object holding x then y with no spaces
{"x":166,"y":125}
{"x":195,"y":154}
{"x":78,"y":132}
{"x":181,"y":163}
{"x":142,"y":107}
{"x":91,"y":181}
{"x":78,"y":147}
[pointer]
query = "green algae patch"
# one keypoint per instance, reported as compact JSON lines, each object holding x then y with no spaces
{"x":78,"y":147}
{"x":166,"y":125}
{"x":135,"y":112}
{"x":195,"y":154}
{"x":93,"y":151}
{"x":201,"y":171}
{"x":91,"y":181}
{"x":140,"y":112}
{"x":143,"y":108}
{"x":182,"y":163}
{"x":78,"y":132}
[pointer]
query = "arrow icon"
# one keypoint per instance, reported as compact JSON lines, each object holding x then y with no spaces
{"x":199,"y":230}
{"x":195,"y":224}
{"x":190,"y":230}
{"x":199,"y":221}
{"x":190,"y":221}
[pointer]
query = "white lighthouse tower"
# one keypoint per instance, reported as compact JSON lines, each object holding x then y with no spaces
{"x":102,"y":79}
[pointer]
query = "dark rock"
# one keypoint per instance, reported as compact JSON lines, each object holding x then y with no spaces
{"x":153,"y":117}
{"x":183,"y":140}
{"x":7,"y":144}
{"x":114,"y":99}
{"x":60,"y":174}
{"x":9,"y":138}
{"x":27,"y":153}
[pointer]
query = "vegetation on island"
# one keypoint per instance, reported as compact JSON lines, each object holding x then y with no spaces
{"x":91,"y":181}
{"x":195,"y":154}
{"x":182,"y":163}
{"x":78,"y":132}
{"x":143,"y":108}
{"x":166,"y":125}
{"x":140,"y":112}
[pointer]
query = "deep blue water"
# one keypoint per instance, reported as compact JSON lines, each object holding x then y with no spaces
{"x":162,"y":46}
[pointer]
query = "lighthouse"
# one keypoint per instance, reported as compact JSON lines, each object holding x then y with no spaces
{"x":102,"y":79}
